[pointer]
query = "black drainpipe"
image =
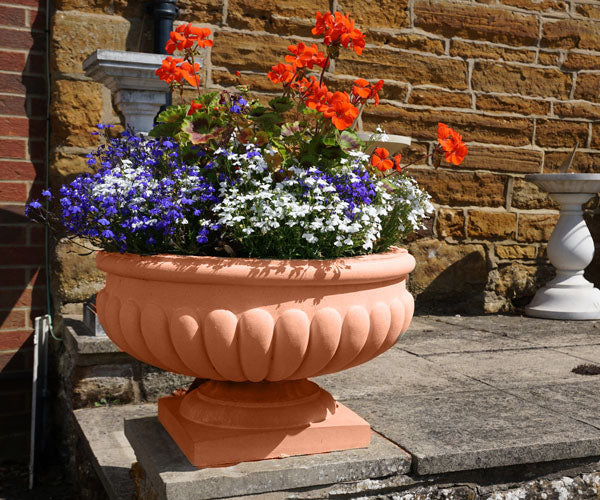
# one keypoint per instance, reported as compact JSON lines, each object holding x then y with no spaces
{"x":164,"y":13}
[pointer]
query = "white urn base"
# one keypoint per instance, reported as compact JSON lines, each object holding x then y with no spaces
{"x":580,"y":302}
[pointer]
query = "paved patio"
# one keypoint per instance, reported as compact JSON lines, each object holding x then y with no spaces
{"x":457,"y":394}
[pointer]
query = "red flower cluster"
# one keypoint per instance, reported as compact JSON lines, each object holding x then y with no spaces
{"x":339,"y":30}
{"x":306,"y":57}
{"x":452,"y":144}
{"x":184,"y":37}
{"x":381,"y":161}
{"x":363,"y":90}
{"x":176,"y":69}
{"x":334,"y":105}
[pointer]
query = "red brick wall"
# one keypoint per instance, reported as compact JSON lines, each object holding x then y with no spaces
{"x":22,"y":146}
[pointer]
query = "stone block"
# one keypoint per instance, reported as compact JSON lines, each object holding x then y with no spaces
{"x":538,"y":5}
{"x":476,"y":22}
{"x":571,"y":33}
{"x":583,"y":162}
{"x":576,"y":61}
{"x":255,"y":81}
{"x":503,"y":159}
{"x":590,"y":10}
{"x":422,"y":124}
{"x":410,"y":41}
{"x":512,"y":103}
{"x":76,"y":276}
{"x":587,"y":86}
{"x":266,"y":15}
{"x":560,"y":133}
{"x":578,"y":109}
{"x":447,"y":271}
{"x":525,"y":252}
{"x":75,"y":110}
{"x":385,"y":14}
{"x":248,"y":52}
{"x":418,"y":69}
{"x":536,"y":227}
{"x":201,"y":11}
{"x":156,"y":383}
{"x":450,"y":223}
{"x":77,"y":34}
{"x":491,"y":225}
{"x":470,"y":50}
{"x":527,"y":196}
{"x":549,"y":58}
{"x":436,"y":98}
{"x":462,"y":188}
{"x":126,"y":8}
{"x":114,"y":383}
{"x":168,"y":474}
{"x":519,"y":79}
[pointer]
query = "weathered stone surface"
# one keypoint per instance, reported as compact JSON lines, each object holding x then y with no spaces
{"x":516,"y":251}
{"x":438,"y":98}
{"x":156,"y":383}
{"x":491,"y":225}
{"x":422,"y":124}
{"x":596,"y":135}
{"x":468,"y":50}
{"x":518,"y":79}
{"x":536,"y":227}
{"x":543,"y":5}
{"x":578,"y":109}
{"x":591,"y":10}
{"x":76,"y":109}
{"x":114,"y":383}
{"x":169,"y":474}
{"x":503,"y":159}
{"x":549,"y":58}
{"x":255,"y":81}
{"x":527,"y":196}
{"x":476,"y":23}
{"x":454,"y":431}
{"x":385,"y":13}
{"x":201,"y":11}
{"x":571,"y":33}
{"x":450,"y":223}
{"x":577,"y":61}
{"x":126,"y":8}
{"x":560,"y":133}
{"x":76,"y":277}
{"x":583,"y":162}
{"x":512,"y":103}
{"x":462,"y":188}
{"x":64,"y":166}
{"x":587,"y":86}
{"x":514,"y":284}
{"x":77,"y":34}
{"x":405,"y":41}
{"x":408,"y":374}
{"x":417,"y":69}
{"x":447,"y":271}
{"x":250,"y":52}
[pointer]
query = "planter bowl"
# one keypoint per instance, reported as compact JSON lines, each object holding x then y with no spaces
{"x":256,"y":330}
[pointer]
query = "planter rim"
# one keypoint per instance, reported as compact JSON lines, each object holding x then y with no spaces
{"x":393,"y":264}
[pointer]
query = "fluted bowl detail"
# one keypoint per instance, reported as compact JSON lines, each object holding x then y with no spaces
{"x":254,"y":320}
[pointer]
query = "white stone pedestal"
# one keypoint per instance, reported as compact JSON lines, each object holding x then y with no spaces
{"x":137,"y":91}
{"x":570,"y":250}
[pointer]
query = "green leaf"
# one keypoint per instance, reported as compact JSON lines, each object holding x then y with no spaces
{"x":269,"y":120}
{"x":165,"y":130}
{"x":173,"y":114}
{"x":281,"y":104}
{"x":348,"y":140}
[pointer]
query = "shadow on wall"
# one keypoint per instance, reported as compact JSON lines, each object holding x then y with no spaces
{"x":458,"y":289}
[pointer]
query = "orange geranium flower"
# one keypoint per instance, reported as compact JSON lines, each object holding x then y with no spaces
{"x":281,"y":73}
{"x":316,"y":94}
{"x":175,"y":69}
{"x":341,"y":111}
{"x":304,"y":56}
{"x":362,"y":89}
{"x":195,"y":106}
{"x":452,"y":144}
{"x":339,"y":29}
{"x":397,"y":160}
{"x":184,"y":37}
{"x":380,"y":159}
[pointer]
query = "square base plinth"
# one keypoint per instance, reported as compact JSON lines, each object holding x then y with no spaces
{"x":207,"y":446}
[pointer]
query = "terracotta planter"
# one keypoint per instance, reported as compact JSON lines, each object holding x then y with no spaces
{"x":256,"y":330}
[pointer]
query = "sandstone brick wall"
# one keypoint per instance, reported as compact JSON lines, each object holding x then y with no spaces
{"x":519,"y":78}
{"x":22,"y":135}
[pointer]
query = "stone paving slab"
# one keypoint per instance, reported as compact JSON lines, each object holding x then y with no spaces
{"x":395,"y":370}
{"x":585,"y":353}
{"x":111,"y":453}
{"x":173,"y":476}
{"x":541,"y":332}
{"x":509,"y":368}
{"x":441,"y":338}
{"x":472,"y":430}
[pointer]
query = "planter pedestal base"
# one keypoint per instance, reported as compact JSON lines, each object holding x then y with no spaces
{"x":273,"y":432}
